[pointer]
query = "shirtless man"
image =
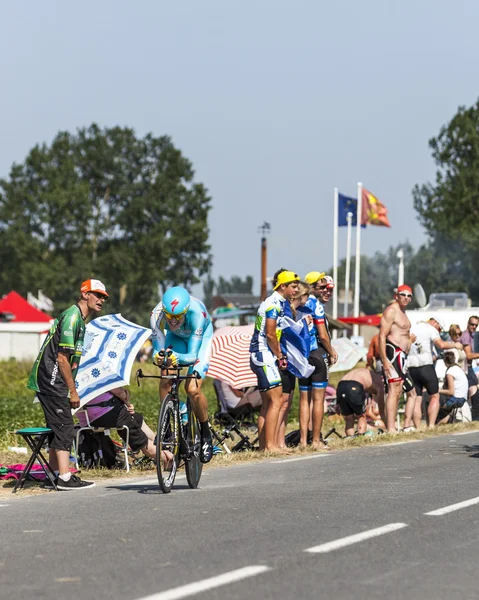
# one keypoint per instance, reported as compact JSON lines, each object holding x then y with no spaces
{"x":394,"y":343}
{"x":351,"y":394}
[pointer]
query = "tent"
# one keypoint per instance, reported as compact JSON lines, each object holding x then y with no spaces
{"x":22,"y":311}
{"x":22,"y":335}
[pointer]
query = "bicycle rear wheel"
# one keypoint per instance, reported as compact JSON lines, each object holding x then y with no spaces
{"x":193,"y":465}
{"x":167,"y":440}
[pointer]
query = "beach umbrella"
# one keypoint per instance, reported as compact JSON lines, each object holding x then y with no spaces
{"x":230,"y":356}
{"x":109,"y":350}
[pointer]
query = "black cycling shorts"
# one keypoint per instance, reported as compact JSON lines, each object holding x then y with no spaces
{"x":288,"y":381}
{"x":319,"y":359}
{"x":397,"y":357}
{"x":58,"y":416}
{"x":351,"y":398}
{"x":424,"y":377}
{"x":118,"y":416}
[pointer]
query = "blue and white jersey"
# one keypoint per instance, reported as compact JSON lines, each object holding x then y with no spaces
{"x":196,"y":324}
{"x":272,"y":308}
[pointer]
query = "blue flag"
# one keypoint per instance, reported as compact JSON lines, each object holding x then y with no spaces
{"x":295,"y":343}
{"x":347,"y":204}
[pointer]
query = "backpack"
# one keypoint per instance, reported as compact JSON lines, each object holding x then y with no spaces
{"x":96,"y":450}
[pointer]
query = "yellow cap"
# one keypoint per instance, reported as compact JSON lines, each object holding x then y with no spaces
{"x":313,"y":277}
{"x":286,"y":277}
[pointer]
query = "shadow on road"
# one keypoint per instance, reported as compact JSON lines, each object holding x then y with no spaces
{"x":472,"y":450}
{"x":145,"y":489}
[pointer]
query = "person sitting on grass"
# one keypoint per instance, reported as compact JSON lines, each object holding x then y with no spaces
{"x":351,"y":394}
{"x":456,"y":386}
{"x":113,"y":409}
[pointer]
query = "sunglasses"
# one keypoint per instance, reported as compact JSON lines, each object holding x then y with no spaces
{"x":99,"y":296}
{"x":176,"y":317}
{"x":473,"y":324}
{"x":405,"y":295}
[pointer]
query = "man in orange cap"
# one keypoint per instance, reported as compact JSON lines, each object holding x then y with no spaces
{"x":53,"y":379}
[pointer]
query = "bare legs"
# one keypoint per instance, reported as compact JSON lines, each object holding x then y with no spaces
{"x":268,"y":418}
{"x":395,"y":390}
{"x":283,"y":419}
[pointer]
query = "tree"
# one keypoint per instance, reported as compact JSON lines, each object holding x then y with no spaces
{"x":105,"y":204}
{"x":235,"y":285}
{"x":449,"y":208}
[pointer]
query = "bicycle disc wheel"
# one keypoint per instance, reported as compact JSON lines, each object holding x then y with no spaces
{"x":193,"y":465}
{"x":167,"y":441}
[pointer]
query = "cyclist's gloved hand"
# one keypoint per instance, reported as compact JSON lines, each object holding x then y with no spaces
{"x":172,"y":360}
{"x":159,"y":358}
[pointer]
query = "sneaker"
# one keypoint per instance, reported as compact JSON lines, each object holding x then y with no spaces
{"x":74,"y":484}
{"x":48,"y":485}
{"x":206,"y":451}
{"x":409,"y":429}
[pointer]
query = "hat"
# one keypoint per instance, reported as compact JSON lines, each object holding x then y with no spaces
{"x":93,"y":285}
{"x":404,"y":288}
{"x":329,"y":281}
{"x":286,"y":277}
{"x":313,"y":277}
{"x":440,"y":321}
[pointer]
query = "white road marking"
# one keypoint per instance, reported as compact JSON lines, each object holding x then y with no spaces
{"x":288,"y":460}
{"x":33,"y":531}
{"x":3,"y":505}
{"x":191,"y":589}
{"x":399,"y":443}
{"x":453,"y":507}
{"x":354,"y":539}
{"x":465,"y":432}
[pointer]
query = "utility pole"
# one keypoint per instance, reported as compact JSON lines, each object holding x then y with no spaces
{"x":400,"y":256}
{"x":264,"y":229}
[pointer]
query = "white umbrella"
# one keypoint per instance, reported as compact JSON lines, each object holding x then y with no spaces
{"x":109,"y":350}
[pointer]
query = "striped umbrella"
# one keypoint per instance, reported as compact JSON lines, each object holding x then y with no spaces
{"x":230,"y":356}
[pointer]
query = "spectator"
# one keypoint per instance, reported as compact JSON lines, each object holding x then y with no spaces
{"x":351,"y":395}
{"x":420,"y":364}
{"x":456,"y":384}
{"x":53,"y":379}
{"x":467,"y":339}
{"x":234,"y":398}
{"x":267,"y":358}
{"x":394,"y":342}
{"x":114,"y":409}
{"x":373,"y":358}
{"x":287,"y":378}
{"x":322,"y":356}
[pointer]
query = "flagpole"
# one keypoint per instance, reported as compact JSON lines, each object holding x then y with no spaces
{"x":347,"y":277}
{"x":335,"y":257}
{"x":358,"y":256}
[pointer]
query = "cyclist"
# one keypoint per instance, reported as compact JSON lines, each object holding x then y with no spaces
{"x":182,"y":323}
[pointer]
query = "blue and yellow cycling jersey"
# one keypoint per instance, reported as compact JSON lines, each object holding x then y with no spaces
{"x":314,"y":307}
{"x":196,"y":328}
{"x":272,"y":308}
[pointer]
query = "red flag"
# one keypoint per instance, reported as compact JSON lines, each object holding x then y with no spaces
{"x":374,"y":211}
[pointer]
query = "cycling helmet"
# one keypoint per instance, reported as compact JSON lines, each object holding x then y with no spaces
{"x":176,"y":302}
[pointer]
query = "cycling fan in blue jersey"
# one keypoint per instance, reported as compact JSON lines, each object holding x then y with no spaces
{"x":313,"y":307}
{"x":191,"y":342}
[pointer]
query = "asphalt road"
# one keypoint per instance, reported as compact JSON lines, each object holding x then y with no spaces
{"x":351,"y":524}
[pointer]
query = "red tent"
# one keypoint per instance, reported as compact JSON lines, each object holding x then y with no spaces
{"x":23,"y":311}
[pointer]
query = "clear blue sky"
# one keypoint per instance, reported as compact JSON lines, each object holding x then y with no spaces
{"x":274,"y":102}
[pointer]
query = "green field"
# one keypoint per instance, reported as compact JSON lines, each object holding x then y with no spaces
{"x":17,"y":409}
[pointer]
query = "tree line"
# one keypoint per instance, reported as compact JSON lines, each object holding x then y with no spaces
{"x":105,"y":203}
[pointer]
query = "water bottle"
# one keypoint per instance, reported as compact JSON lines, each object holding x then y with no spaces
{"x":183,"y":413}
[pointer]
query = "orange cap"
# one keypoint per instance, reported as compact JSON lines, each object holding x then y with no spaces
{"x":93,"y":285}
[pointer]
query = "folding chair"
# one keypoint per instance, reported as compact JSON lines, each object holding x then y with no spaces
{"x":231,"y":420}
{"x":106,"y":431}
{"x":35,"y":437}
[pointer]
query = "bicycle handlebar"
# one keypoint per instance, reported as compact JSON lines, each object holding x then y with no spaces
{"x":140,"y":375}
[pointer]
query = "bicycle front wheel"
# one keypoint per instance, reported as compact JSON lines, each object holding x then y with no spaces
{"x":167,"y":444}
{"x":193,"y":465}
